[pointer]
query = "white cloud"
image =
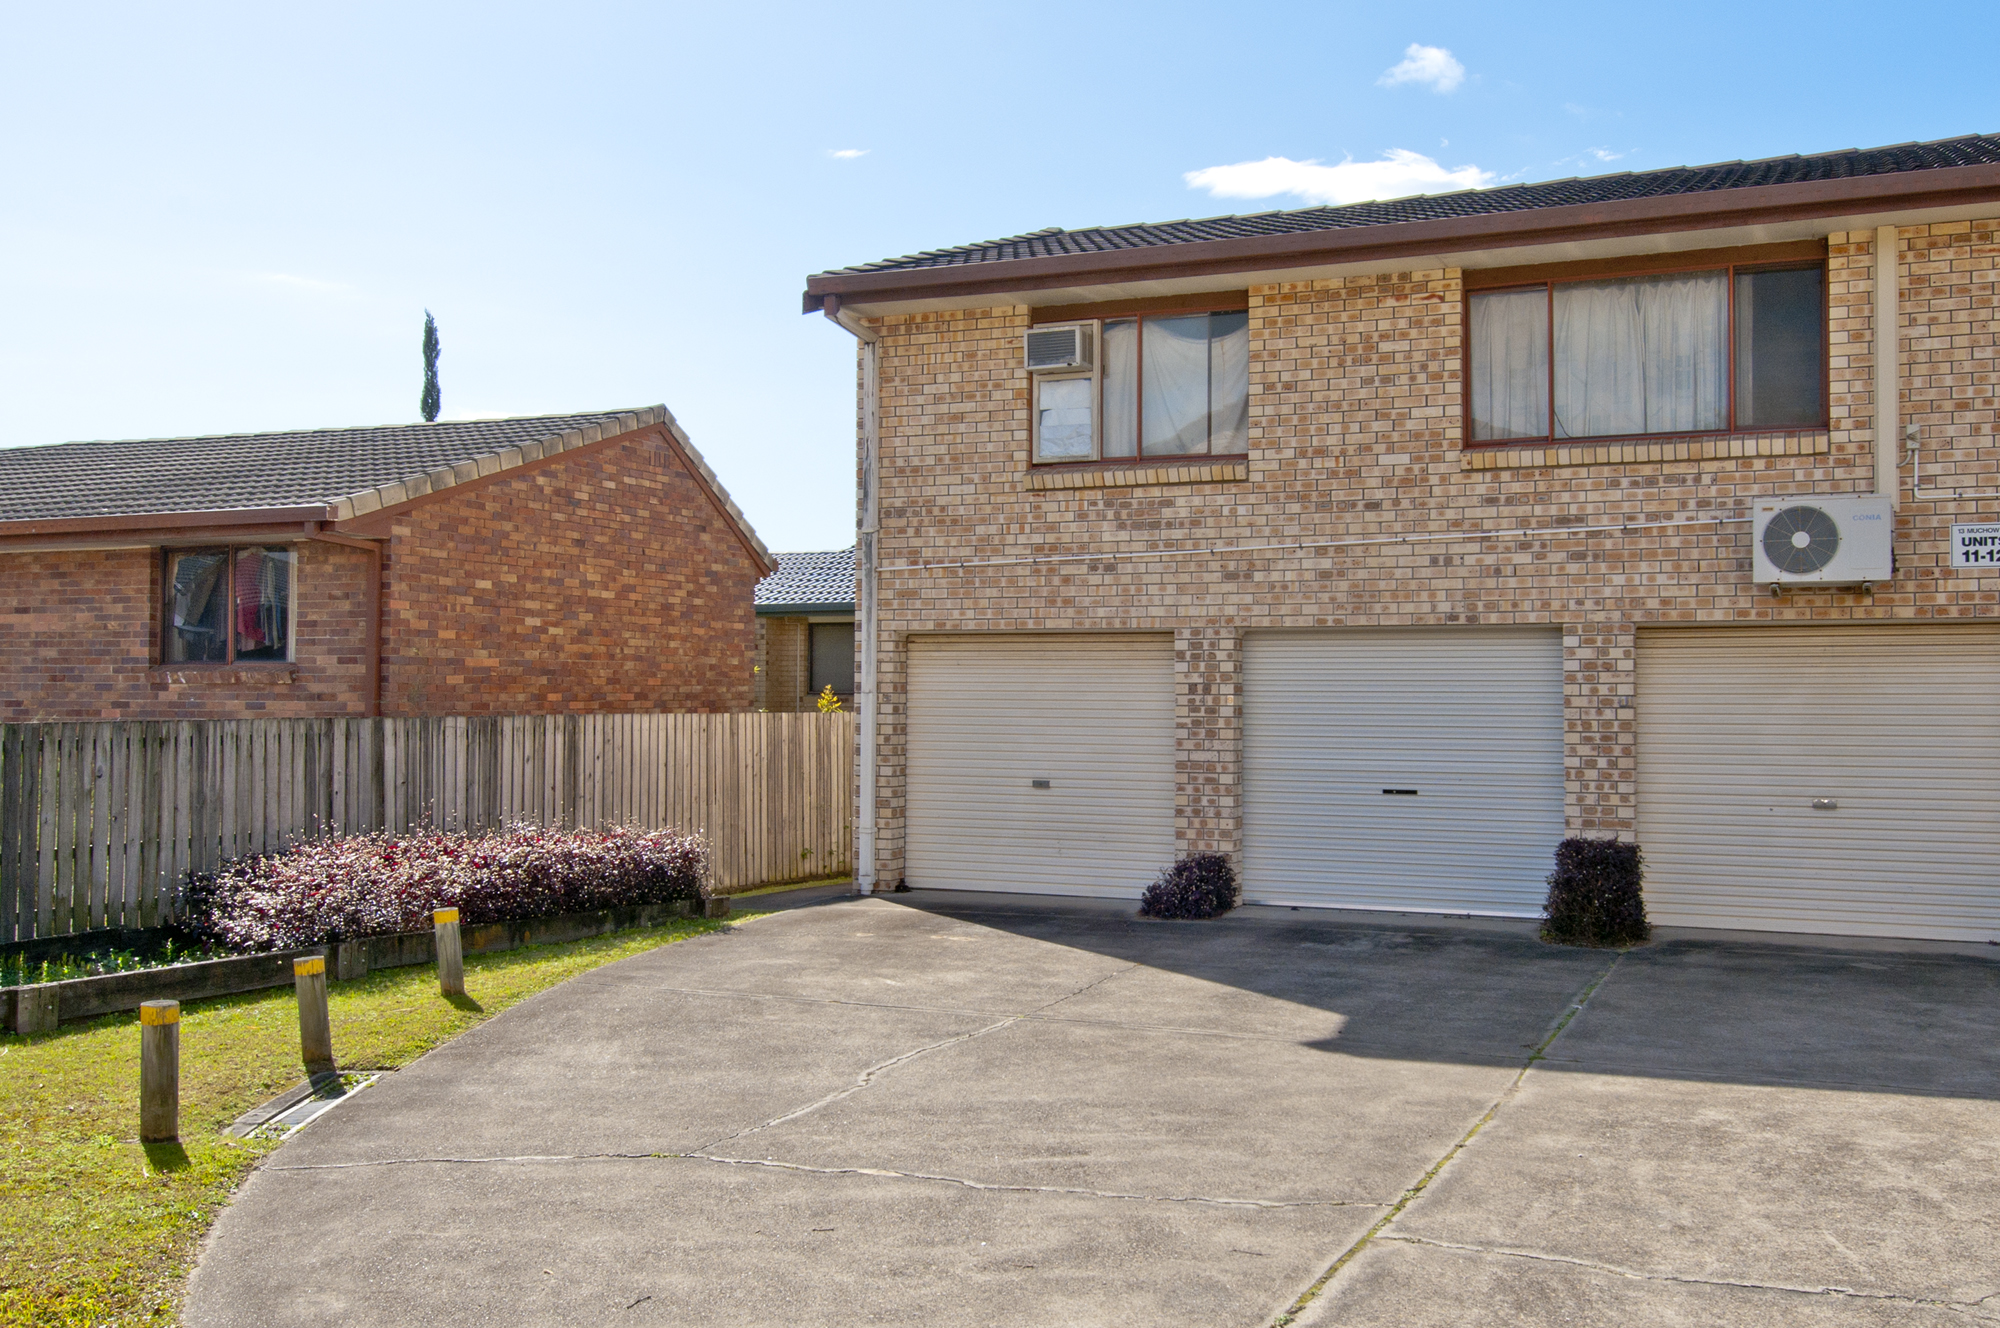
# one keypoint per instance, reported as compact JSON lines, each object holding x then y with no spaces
{"x":1591,"y":157}
{"x":846,"y":154}
{"x":1431,"y":65}
{"x":1399,"y":173}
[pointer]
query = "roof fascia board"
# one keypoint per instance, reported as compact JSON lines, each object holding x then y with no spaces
{"x":800,"y":610}
{"x":1759,"y":205}
{"x":1660,"y":243}
{"x":172,"y":538}
{"x":225,"y":519}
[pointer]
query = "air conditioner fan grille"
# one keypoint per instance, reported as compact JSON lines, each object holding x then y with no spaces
{"x":1801,"y":540}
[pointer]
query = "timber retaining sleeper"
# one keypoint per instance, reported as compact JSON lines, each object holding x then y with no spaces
{"x":40,"y":1007}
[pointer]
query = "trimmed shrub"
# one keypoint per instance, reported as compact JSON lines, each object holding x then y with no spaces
{"x":369,"y":885}
{"x":1201,"y":885}
{"x":1594,"y":896}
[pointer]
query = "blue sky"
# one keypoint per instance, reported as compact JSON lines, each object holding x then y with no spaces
{"x":226,"y":218}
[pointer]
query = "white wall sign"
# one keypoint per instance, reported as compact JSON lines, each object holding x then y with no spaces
{"x":1975,"y":546}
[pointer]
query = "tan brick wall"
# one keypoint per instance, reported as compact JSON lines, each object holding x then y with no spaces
{"x":79,"y":633}
{"x":606,"y":581}
{"x":787,"y":664}
{"x":1356,"y":436}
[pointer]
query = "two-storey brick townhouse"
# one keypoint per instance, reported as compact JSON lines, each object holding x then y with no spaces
{"x":1382,"y":546}
{"x":521,"y":566}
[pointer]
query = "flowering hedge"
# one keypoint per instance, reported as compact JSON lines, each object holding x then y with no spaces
{"x":369,"y":885}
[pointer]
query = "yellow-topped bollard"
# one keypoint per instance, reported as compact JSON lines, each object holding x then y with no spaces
{"x":315,"y":1028}
{"x":159,"y":1072}
{"x":450,"y":957}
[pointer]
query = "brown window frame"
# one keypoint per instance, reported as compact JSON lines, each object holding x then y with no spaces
{"x":229,"y":660}
{"x":1772,"y":258}
{"x":1137,"y":310}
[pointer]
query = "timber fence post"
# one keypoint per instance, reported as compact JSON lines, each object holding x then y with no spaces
{"x":159,"y":1072}
{"x":315,"y":1028}
{"x":450,"y":958}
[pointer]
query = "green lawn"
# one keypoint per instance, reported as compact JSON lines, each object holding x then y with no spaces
{"x":98,"y":1230}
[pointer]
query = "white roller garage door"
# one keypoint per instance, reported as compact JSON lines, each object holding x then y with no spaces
{"x":1822,"y":779}
{"x":1416,"y":770}
{"x":1090,"y":714}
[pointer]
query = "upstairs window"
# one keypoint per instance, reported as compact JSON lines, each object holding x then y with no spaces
{"x":1714,"y":351}
{"x":1166,"y":385}
{"x":228,"y":606}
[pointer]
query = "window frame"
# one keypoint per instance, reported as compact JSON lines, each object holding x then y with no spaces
{"x":1728,"y":262}
{"x":1097,"y":317}
{"x":229,"y":554}
{"x":814,"y":683}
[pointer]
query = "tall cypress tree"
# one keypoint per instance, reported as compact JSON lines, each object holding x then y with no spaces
{"x":433,"y":398}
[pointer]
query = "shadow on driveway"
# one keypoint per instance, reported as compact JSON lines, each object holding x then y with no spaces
{"x":920,"y":1109}
{"x":1729,"y":1011}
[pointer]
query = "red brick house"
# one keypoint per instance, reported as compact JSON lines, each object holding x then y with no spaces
{"x":558,"y":563}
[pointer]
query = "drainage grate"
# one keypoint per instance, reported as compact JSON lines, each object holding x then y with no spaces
{"x":291,"y":1111}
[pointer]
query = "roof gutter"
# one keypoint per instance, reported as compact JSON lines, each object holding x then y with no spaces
{"x":798,"y":610}
{"x":1753,"y":205}
{"x":150,"y":521}
{"x":867,"y":624}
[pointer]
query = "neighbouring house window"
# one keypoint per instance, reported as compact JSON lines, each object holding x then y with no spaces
{"x":1680,"y":352}
{"x":833,"y":658}
{"x":226,"y":606}
{"x":1167,"y":385}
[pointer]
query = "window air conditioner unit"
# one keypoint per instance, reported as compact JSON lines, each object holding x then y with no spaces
{"x":1845,"y":540}
{"x":1059,"y":348}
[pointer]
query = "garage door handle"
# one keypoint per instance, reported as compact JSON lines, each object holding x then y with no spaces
{"x":1401,"y":793}
{"x":1826,"y":804}
{"x":1038,"y":783}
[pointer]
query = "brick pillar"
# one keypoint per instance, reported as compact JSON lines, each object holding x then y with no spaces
{"x":1208,"y":740}
{"x":892,"y":681}
{"x":1600,"y":771}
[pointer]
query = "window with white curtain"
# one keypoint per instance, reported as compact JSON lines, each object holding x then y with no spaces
{"x":1167,"y":385}
{"x":1708,"y":351}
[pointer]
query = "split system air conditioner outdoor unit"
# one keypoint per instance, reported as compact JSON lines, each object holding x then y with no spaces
{"x":1844,"y":540}
{"x":1058,"y":348}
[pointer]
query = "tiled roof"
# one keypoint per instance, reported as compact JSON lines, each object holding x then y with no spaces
{"x":1972,"y":150}
{"x":349,"y":472}
{"x":219,"y":472}
{"x":809,"y":578}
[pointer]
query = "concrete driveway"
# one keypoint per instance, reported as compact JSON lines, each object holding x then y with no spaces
{"x":969,"y":1110}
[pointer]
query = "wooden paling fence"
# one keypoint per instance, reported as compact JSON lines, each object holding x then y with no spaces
{"x":101,"y":822}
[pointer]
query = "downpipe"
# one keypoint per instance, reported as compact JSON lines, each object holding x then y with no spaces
{"x":866,"y":615}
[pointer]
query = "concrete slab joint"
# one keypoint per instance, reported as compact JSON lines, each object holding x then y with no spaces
{"x":977,"y":1108}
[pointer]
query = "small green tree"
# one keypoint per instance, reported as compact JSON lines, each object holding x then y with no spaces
{"x":433,"y":397}
{"x":828,"y":702}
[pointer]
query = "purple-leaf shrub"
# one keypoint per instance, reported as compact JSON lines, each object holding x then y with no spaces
{"x":1596,"y":895}
{"x":369,"y":885}
{"x":1201,"y":885}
